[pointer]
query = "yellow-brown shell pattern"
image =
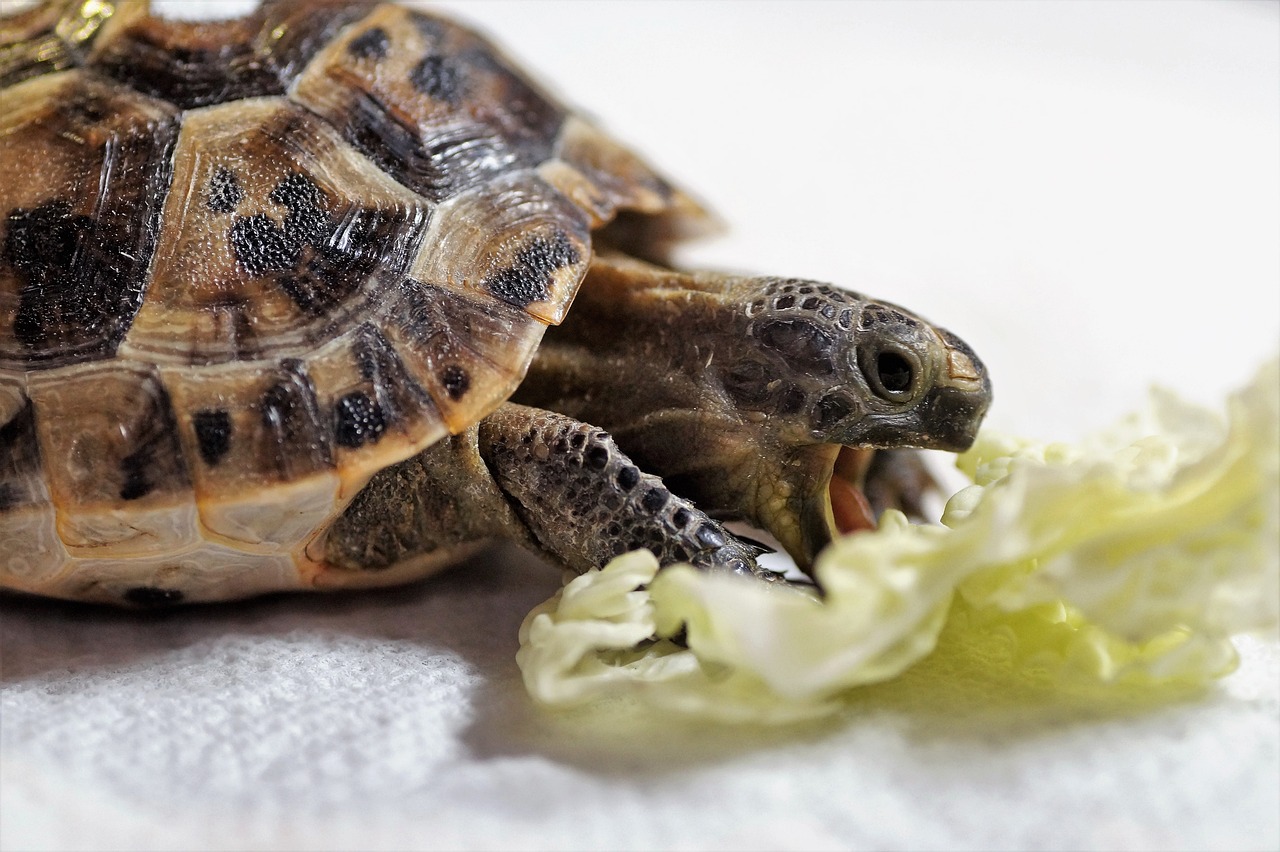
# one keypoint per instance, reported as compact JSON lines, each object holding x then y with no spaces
{"x":245,"y":264}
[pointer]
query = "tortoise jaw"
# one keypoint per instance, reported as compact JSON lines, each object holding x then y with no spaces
{"x":825,"y":499}
{"x":850,"y":509}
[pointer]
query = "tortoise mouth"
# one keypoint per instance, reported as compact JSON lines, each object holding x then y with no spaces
{"x":850,"y":509}
{"x":829,"y":501}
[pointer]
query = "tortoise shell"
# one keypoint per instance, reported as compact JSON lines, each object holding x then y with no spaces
{"x":245,"y":264}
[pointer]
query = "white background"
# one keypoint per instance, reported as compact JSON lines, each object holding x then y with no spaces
{"x":1088,"y":192}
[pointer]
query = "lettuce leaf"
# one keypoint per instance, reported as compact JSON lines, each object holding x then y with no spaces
{"x":1127,"y":560}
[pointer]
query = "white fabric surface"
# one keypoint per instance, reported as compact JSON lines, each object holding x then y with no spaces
{"x":1088,"y":193}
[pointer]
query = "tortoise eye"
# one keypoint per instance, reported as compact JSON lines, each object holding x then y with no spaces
{"x":894,"y":372}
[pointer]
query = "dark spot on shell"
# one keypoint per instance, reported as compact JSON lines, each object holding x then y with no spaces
{"x":80,"y":279}
{"x":681,"y":517}
{"x":318,"y":260}
{"x":597,"y":457}
{"x":136,"y":469}
{"x":805,"y":345}
{"x":224,"y":193}
{"x":261,"y":246}
{"x":846,"y":319}
{"x":213,"y":434}
{"x":578,"y":441}
{"x":628,"y":477}
{"x":357,"y":420}
{"x":370,"y":44}
{"x":439,"y":79}
{"x":152,"y":596}
{"x":456,"y":381}
{"x":529,"y":278}
{"x":784,"y":302}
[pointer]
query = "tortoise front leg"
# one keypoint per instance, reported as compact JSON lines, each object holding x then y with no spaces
{"x":585,"y":502}
{"x":546,"y":481}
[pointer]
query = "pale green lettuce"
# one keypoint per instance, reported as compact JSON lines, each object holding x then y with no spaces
{"x":1130,"y":559}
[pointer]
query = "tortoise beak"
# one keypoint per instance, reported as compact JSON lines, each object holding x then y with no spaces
{"x":953,"y":415}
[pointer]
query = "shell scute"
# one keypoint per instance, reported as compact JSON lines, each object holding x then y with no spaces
{"x":470,"y":350}
{"x":121,"y":486}
{"x":201,"y":63}
{"x":255,"y":429}
{"x":430,"y":102}
{"x":77,"y":232}
{"x":272,"y":235}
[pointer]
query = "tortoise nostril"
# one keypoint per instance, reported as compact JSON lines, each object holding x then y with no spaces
{"x":894,"y":372}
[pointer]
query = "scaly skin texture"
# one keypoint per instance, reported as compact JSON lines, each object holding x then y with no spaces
{"x":546,"y":481}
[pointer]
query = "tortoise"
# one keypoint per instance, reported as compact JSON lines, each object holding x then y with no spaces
{"x":284,"y":304}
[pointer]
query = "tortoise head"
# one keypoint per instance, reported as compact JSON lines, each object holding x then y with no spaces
{"x":813,"y":377}
{"x":828,"y":366}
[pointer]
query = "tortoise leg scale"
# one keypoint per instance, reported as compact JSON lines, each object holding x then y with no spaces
{"x":585,"y":502}
{"x":544,"y":480}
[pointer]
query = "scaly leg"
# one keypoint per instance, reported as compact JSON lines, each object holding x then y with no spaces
{"x":544,"y":480}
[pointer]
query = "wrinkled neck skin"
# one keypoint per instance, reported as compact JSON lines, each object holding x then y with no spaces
{"x":702,"y":381}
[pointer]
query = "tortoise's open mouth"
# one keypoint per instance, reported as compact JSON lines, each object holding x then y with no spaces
{"x":827,"y":498}
{"x":829,"y":490}
{"x":850,"y":509}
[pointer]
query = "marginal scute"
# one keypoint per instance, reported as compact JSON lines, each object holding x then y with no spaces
{"x":78,"y":232}
{"x":372,"y":401}
{"x":113,"y":581}
{"x":468,"y":350}
{"x":111,"y":427}
{"x":430,"y":102}
{"x":277,"y":448}
{"x":608,"y":180}
{"x":290,"y":253}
